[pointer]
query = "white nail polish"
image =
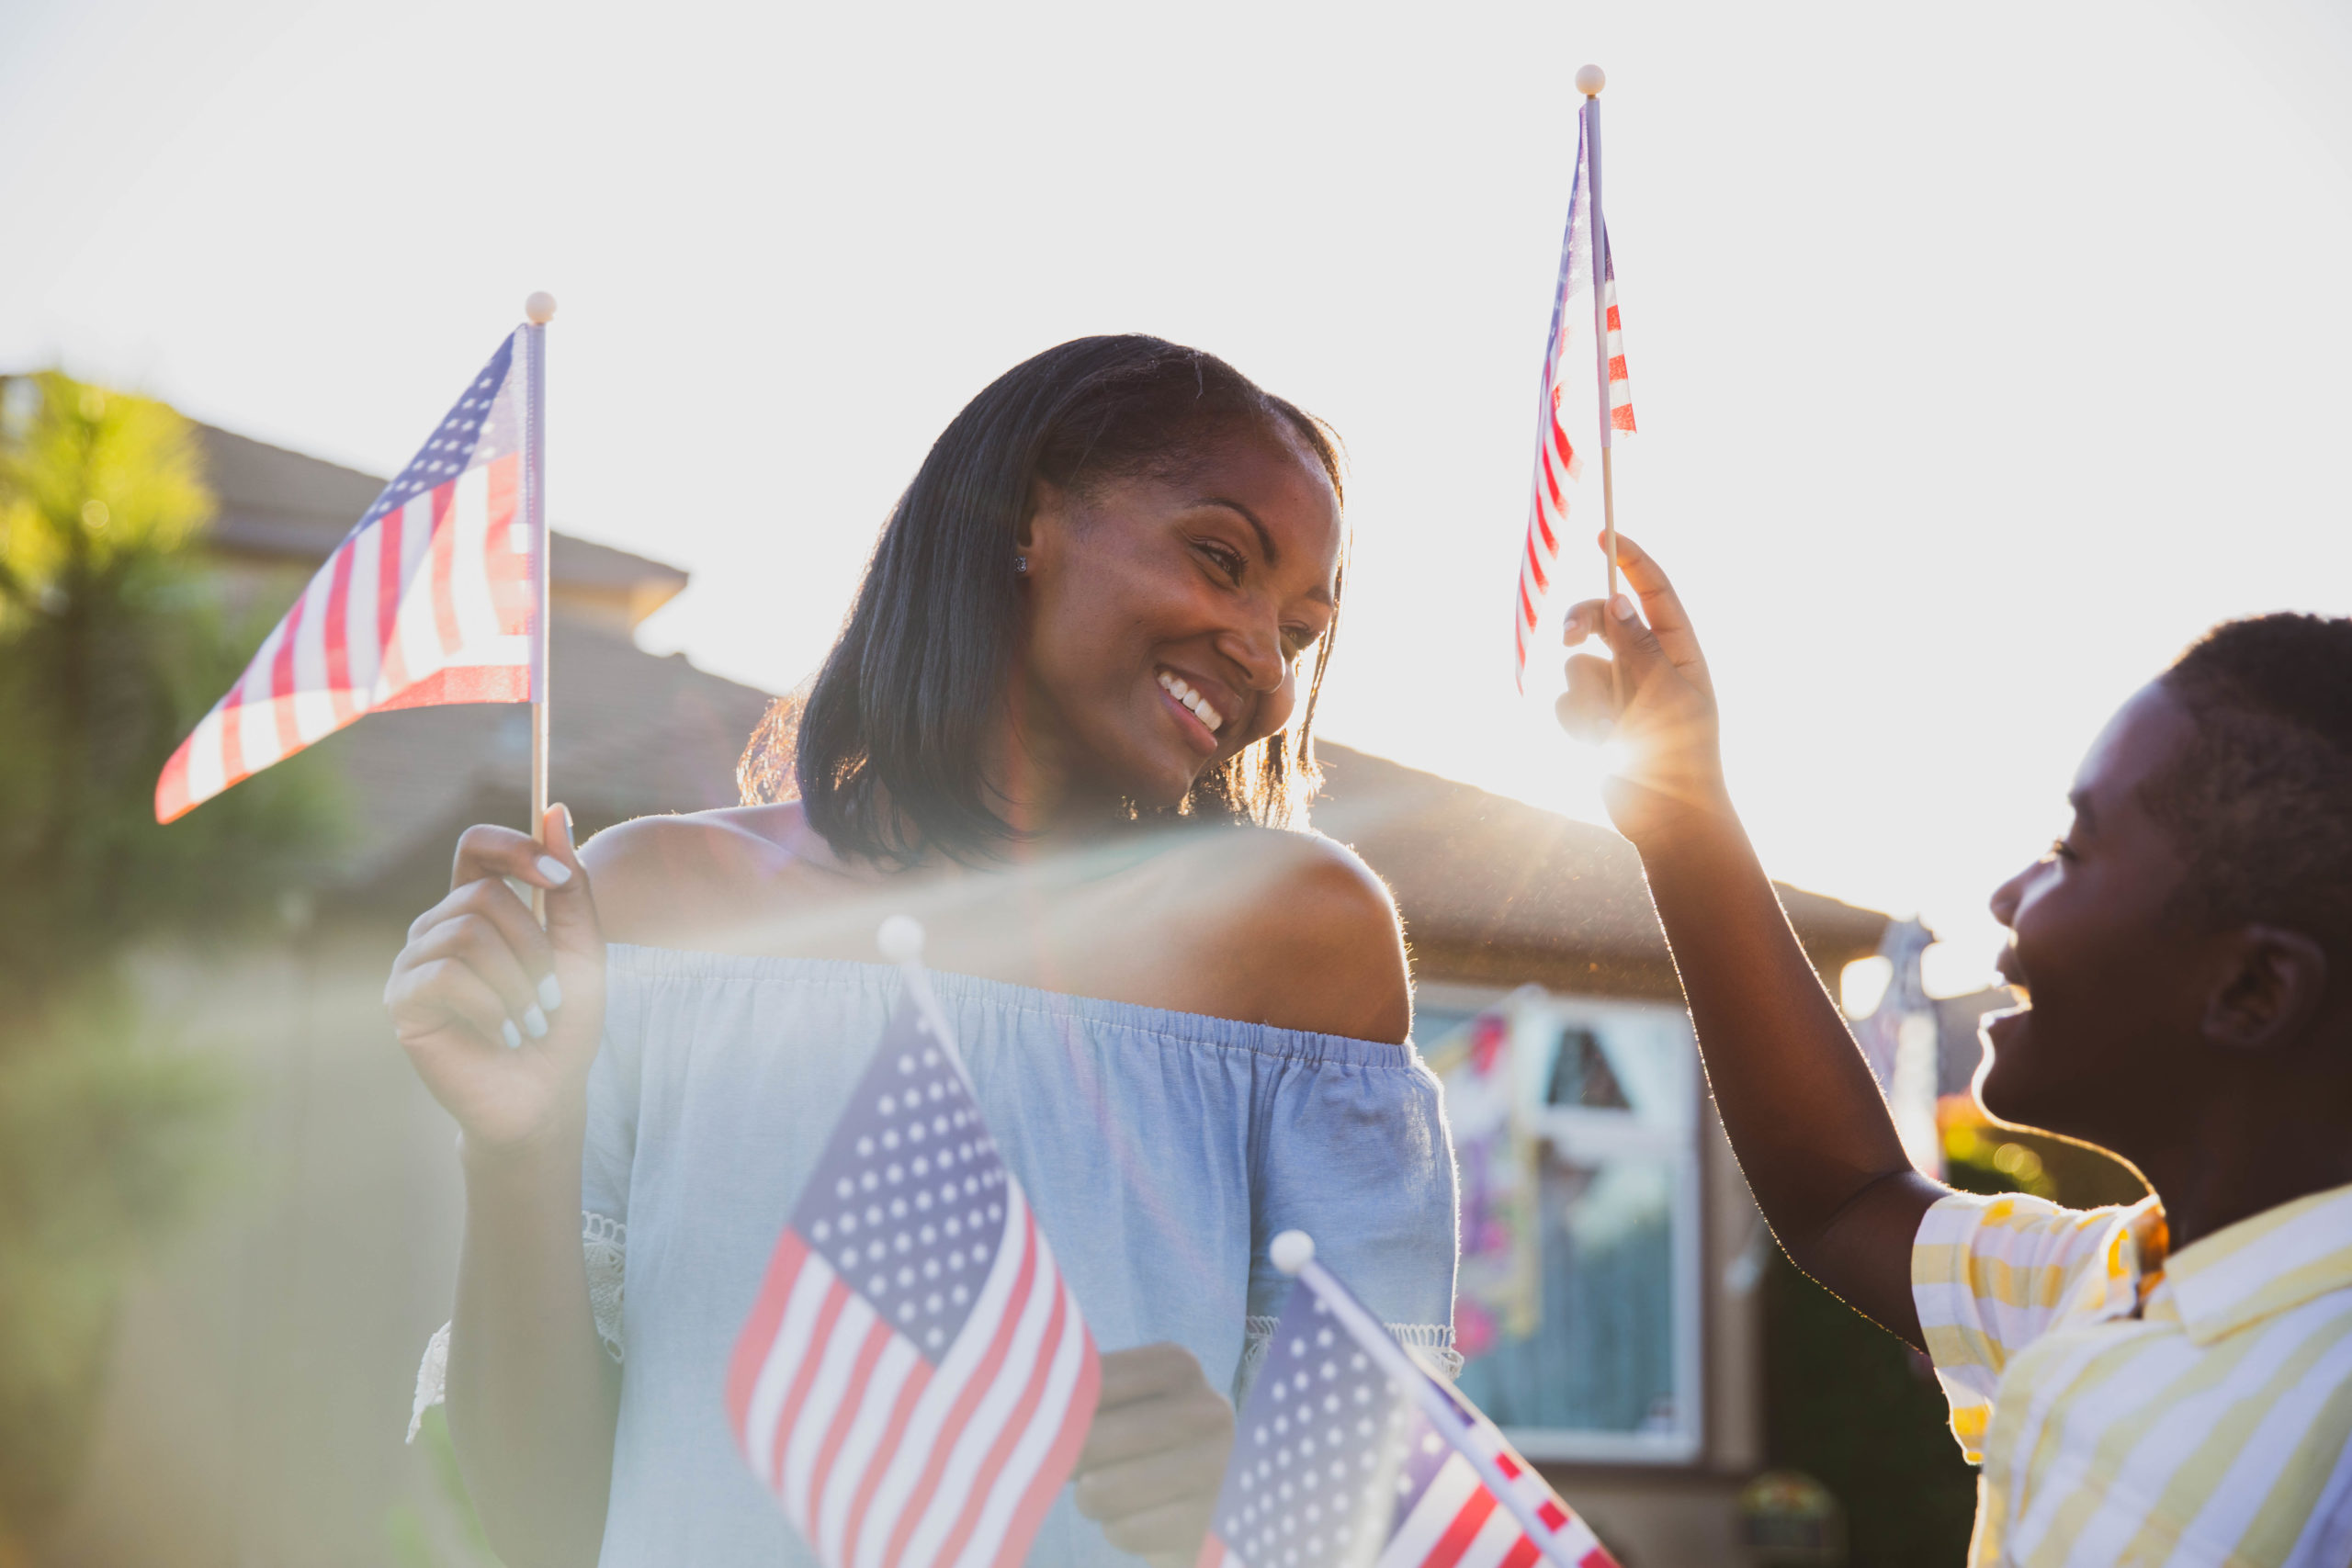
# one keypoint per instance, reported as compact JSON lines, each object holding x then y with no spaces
{"x":554,"y":870}
{"x":512,"y":1035}
{"x":1624,"y":608}
{"x":535,"y":1022}
{"x":550,"y":993}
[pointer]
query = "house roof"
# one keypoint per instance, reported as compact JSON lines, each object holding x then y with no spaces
{"x":280,"y":504}
{"x":630,"y":734}
{"x":1493,"y":889}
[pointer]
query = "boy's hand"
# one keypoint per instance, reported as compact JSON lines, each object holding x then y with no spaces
{"x":1656,"y":707}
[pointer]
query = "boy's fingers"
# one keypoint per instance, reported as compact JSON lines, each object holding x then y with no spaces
{"x":1661,"y":606}
{"x":1587,"y":709}
{"x":1634,"y":645}
{"x":1583,"y":621}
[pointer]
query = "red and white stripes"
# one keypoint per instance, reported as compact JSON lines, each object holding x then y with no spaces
{"x":884,"y":1459}
{"x":432,"y":597}
{"x":1458,"y":1523}
{"x":1556,"y":464}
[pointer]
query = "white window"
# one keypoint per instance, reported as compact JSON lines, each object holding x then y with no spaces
{"x":1581,"y":1301}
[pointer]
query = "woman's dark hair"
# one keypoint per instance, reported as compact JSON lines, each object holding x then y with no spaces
{"x":883,"y":750}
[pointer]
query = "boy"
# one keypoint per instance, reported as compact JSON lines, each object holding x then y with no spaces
{"x":2165,"y":1383}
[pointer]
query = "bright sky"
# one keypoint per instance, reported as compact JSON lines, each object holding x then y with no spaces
{"x":1983,"y":354}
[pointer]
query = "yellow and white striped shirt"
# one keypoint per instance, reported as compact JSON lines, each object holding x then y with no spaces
{"x":2130,"y":1408}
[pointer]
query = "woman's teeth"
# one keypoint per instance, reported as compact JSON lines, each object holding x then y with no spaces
{"x":1192,"y":699}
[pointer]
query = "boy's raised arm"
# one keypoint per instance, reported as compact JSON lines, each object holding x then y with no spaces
{"x":1805,"y":1115}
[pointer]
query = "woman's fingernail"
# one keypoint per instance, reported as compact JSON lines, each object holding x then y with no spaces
{"x":550,"y":993}
{"x":512,"y":1035}
{"x":554,"y":870}
{"x":1622,"y":607}
{"x":535,"y":1022}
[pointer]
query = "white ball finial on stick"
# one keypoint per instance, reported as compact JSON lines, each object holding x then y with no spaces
{"x":900,"y":939}
{"x":1590,"y":79}
{"x":539,"y":308}
{"x":1291,"y":1251}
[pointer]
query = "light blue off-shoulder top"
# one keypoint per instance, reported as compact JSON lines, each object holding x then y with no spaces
{"x":1160,"y":1151}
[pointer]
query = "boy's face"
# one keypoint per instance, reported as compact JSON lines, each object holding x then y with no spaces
{"x":2104,"y":1042}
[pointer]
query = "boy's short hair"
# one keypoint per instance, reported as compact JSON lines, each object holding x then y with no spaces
{"x":2261,"y":800}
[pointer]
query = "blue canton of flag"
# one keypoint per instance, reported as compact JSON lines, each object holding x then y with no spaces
{"x":1336,"y":1465}
{"x":915,"y":1381}
{"x":486,"y":423}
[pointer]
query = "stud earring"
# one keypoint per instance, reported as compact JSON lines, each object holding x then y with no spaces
{"x":1020,"y":566}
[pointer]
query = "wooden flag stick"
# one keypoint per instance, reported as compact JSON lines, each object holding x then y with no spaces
{"x":540,"y":309}
{"x":1590,"y":81}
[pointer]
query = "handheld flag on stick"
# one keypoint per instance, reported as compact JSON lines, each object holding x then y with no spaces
{"x":1584,"y":257}
{"x":1351,"y":1454}
{"x":438,"y":596}
{"x":914,"y":1382}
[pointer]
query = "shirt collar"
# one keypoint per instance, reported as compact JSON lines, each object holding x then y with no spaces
{"x":2276,"y":1260}
{"x":2134,"y":1261}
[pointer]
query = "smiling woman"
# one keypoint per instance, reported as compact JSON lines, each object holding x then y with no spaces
{"x":1067,"y":725}
{"x":1156,"y":523}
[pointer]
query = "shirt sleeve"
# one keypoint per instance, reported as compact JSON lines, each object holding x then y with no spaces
{"x":1990,"y":1275}
{"x":609,"y":1148}
{"x":608,"y":1152}
{"x":1357,"y":1156}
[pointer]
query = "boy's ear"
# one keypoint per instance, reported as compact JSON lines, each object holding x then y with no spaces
{"x":2269,"y":991}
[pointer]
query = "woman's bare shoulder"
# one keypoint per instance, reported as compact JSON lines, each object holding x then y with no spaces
{"x":1310,"y":931}
{"x":662,"y":880}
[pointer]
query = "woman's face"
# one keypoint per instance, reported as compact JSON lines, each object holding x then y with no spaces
{"x":1168,"y":619}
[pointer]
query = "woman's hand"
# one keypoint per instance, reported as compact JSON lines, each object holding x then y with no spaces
{"x":1155,"y":1454}
{"x":502,"y":1018}
{"x":1661,"y":718}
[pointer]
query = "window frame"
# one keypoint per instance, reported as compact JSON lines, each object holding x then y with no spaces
{"x":1539,"y":1019}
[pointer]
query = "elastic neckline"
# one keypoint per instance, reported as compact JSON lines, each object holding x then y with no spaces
{"x":1159,"y":1023}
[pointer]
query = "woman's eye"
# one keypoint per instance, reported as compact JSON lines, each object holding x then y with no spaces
{"x":1298,"y":639}
{"x":1227,"y":562}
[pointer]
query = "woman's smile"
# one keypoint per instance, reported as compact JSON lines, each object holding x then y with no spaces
{"x":1196,"y":715}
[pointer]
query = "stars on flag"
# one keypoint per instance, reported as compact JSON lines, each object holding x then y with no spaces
{"x":914,"y":1379}
{"x":1336,"y":1463}
{"x":912,"y":1207}
{"x":432,"y":598}
{"x":1557,"y":464}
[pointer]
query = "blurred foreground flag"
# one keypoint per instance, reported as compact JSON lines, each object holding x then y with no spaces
{"x":1556,"y":464}
{"x":432,"y":599}
{"x":1351,"y":1453}
{"x":915,"y":1381}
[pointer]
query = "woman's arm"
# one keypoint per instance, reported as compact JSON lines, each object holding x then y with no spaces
{"x":1805,"y":1117}
{"x":502,"y":1021}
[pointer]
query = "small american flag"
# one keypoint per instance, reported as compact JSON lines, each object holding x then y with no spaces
{"x":431,"y":599}
{"x":1556,"y":464}
{"x":915,"y":1381}
{"x":1336,"y":1465}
